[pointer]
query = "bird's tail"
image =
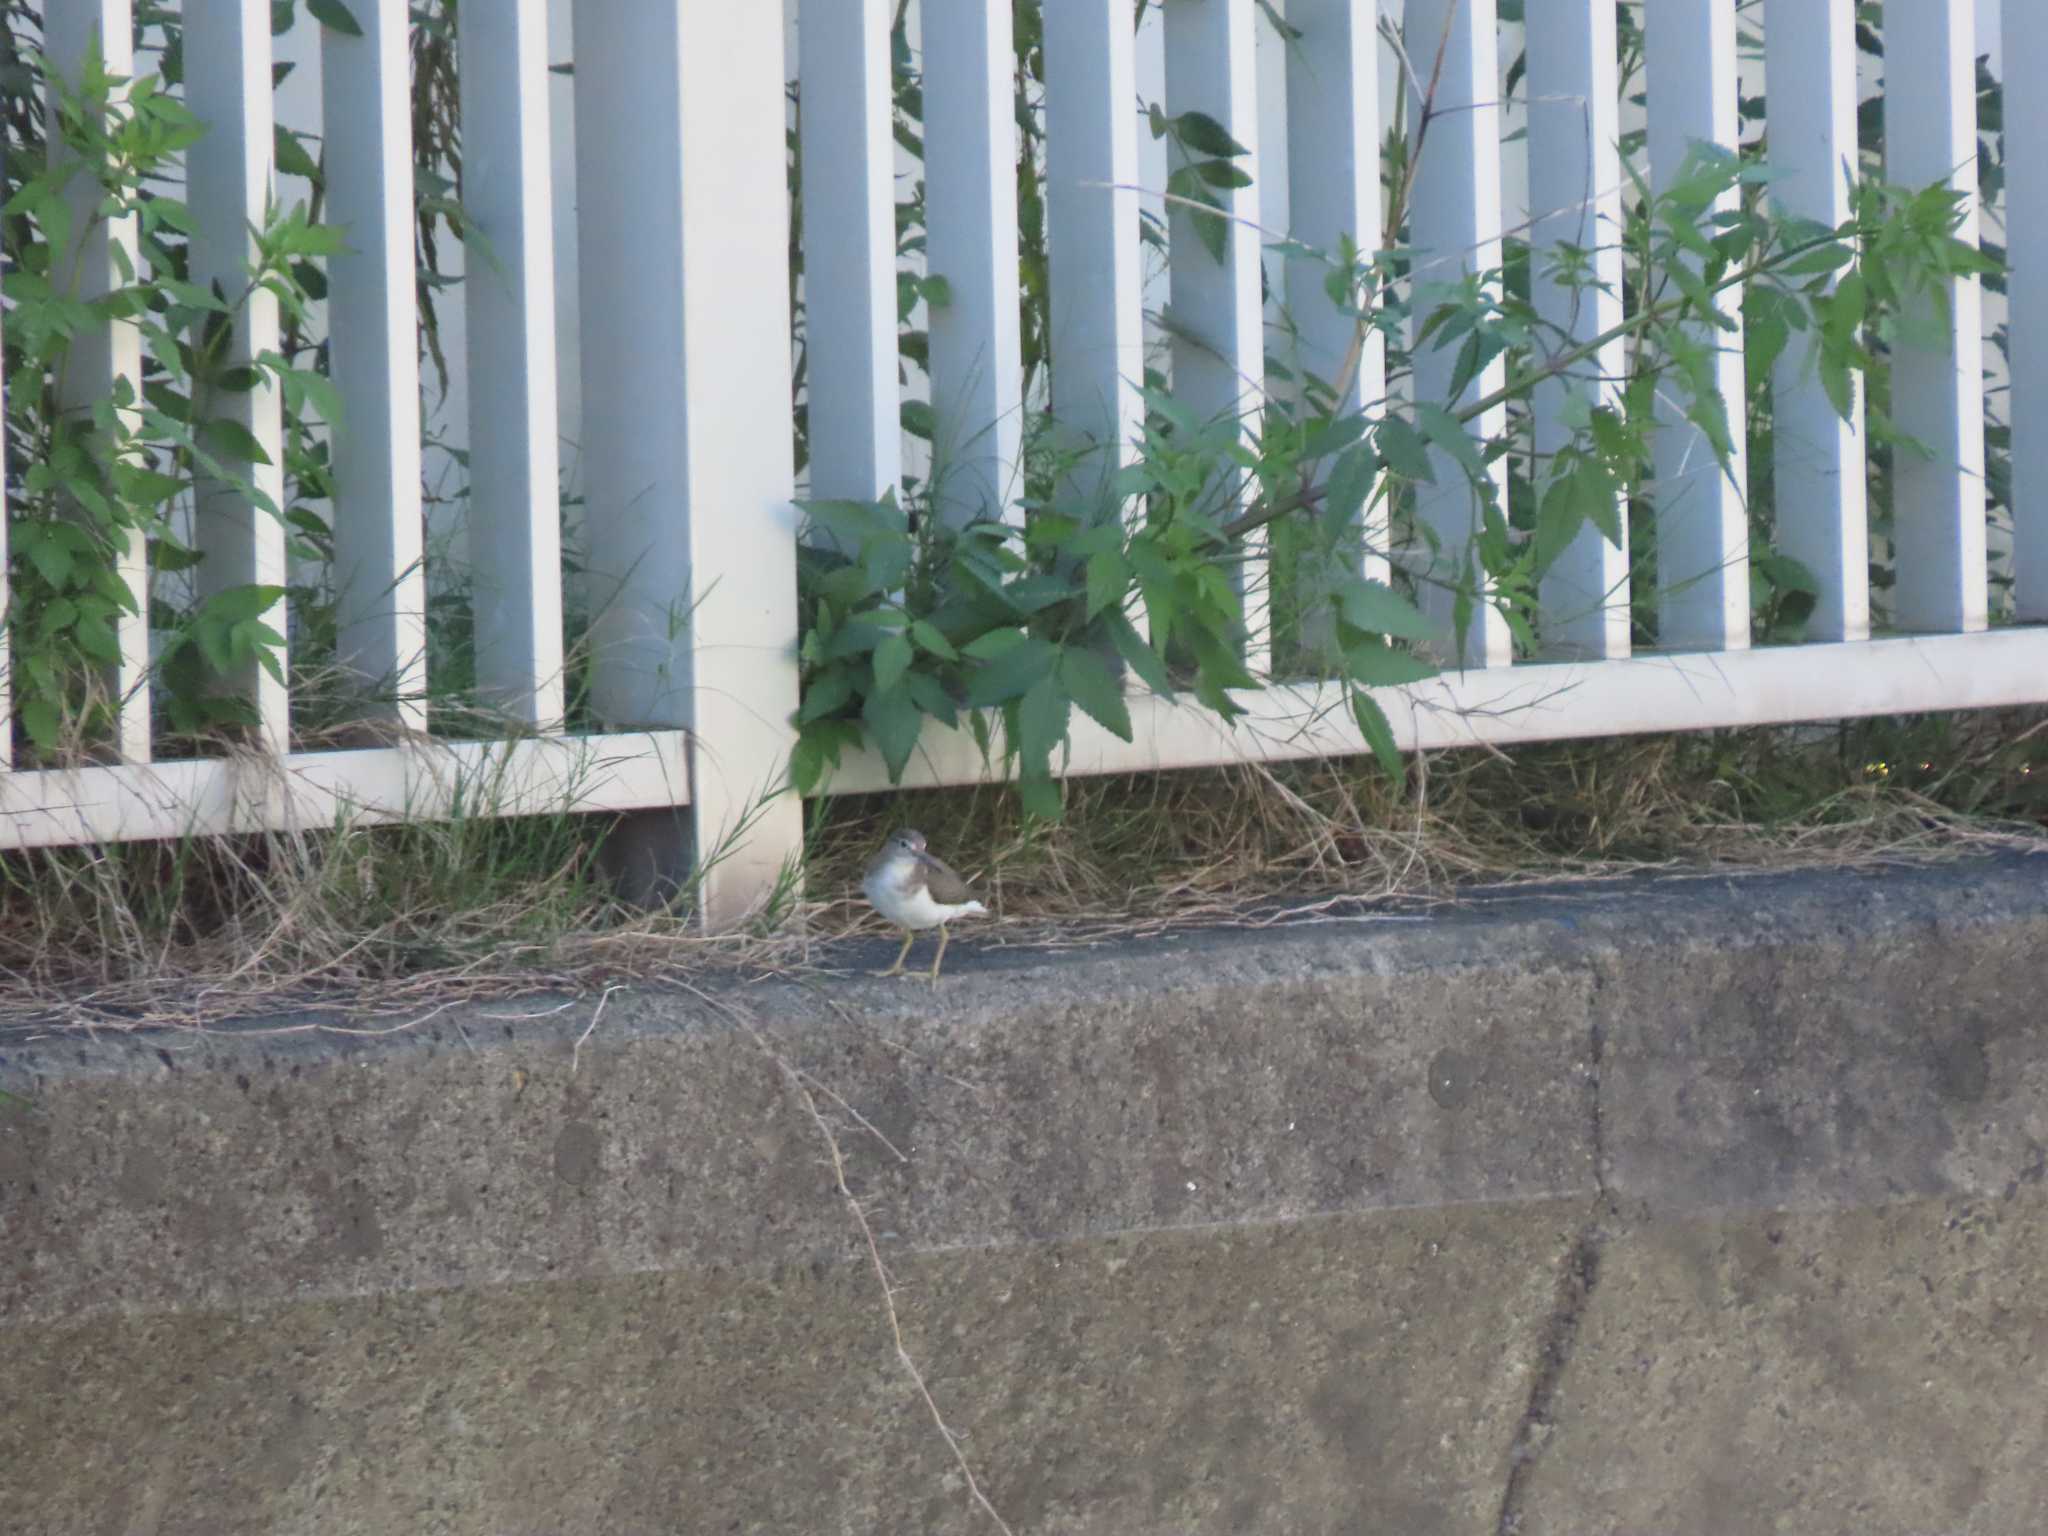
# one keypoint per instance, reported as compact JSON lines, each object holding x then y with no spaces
{"x":971,"y":908}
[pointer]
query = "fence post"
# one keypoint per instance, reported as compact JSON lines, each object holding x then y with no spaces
{"x":970,"y":155}
{"x":1938,"y":527}
{"x":1333,"y":191}
{"x":1575,"y":199}
{"x":373,"y":343}
{"x":515,"y":501}
{"x":229,"y":188}
{"x":683,"y":250}
{"x":105,"y":362}
{"x":2026,"y":286}
{"x":1818,"y":473}
{"x":1455,"y":217}
{"x":1218,"y":335}
{"x":1689,"y":62}
{"x":849,"y":229}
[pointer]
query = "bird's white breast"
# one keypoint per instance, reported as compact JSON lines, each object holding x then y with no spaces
{"x":904,"y":899}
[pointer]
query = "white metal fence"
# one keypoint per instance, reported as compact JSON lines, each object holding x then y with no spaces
{"x":683,"y":310}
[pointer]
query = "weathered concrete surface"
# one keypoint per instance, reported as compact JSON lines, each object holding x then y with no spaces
{"x":1701,"y":1206}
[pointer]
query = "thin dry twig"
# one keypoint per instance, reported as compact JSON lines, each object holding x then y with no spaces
{"x":800,"y":1081}
{"x":576,"y":1051}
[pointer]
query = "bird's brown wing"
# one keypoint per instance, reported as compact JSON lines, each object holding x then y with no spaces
{"x":946,"y":887}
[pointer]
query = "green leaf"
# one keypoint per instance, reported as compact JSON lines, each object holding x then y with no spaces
{"x":1137,"y":655}
{"x":1378,"y":609}
{"x":1599,"y":496}
{"x":233,"y":440}
{"x":807,"y":761}
{"x":1221,"y":173}
{"x":1089,"y":684}
{"x":213,"y":645}
{"x":39,"y":719}
{"x":1041,"y":723}
{"x":1401,"y":446}
{"x":894,"y":723}
{"x":1109,"y":578}
{"x":1767,"y":326}
{"x":252,"y":637}
{"x":892,"y":659}
{"x":1786,"y":573}
{"x":1203,"y":134}
{"x":235,"y":604}
{"x":826,"y":695}
{"x":852,"y":522}
{"x":292,"y":156}
{"x":1378,"y":732}
{"x":1351,"y":481}
{"x":1375,"y":664}
{"x":333,"y":13}
{"x":145,"y":487}
{"x":1014,"y":673}
{"x":1558,"y":519}
{"x":932,"y":697}
{"x":993,"y":644}
{"x":929,"y":639}
{"x":1040,"y":797}
{"x":1449,"y":434}
{"x":1826,"y":259}
{"x":858,"y":636}
{"x":50,"y":558}
{"x":299,"y":238}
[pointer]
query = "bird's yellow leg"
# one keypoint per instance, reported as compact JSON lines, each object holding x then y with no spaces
{"x":909,"y":938}
{"x":940,"y":956}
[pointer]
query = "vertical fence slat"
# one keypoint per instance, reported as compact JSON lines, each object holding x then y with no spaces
{"x":228,"y":183}
{"x":680,"y":134}
{"x":1333,"y":188}
{"x":1096,"y":337}
{"x":849,"y":231}
{"x":515,"y":535}
{"x":2025,"y":45}
{"x":1702,"y":526}
{"x":1938,"y":526}
{"x":103,"y":360}
{"x":1091,"y":153}
{"x":372,"y":326}
{"x":1575,"y":200}
{"x":1217,"y":325}
{"x":1818,"y":480}
{"x":6,"y":608}
{"x":1455,"y":222}
{"x":970,"y":168}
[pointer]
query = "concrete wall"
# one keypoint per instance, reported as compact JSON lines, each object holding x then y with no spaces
{"x":1706,"y":1206}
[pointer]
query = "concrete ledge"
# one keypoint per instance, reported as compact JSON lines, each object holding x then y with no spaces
{"x":1562,"y":1212}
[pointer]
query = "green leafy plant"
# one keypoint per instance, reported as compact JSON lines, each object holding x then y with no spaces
{"x":86,"y":481}
{"x":923,"y":622}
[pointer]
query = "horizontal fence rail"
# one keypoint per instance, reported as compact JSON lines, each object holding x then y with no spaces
{"x":624,"y":360}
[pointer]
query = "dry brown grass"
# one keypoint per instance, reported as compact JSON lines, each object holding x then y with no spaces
{"x":398,"y":923}
{"x":1257,"y":843}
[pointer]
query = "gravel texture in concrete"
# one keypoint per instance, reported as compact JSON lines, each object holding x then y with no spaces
{"x":1707,"y":1205}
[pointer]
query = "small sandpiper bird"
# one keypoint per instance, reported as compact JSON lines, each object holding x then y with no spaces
{"x":914,"y":891}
